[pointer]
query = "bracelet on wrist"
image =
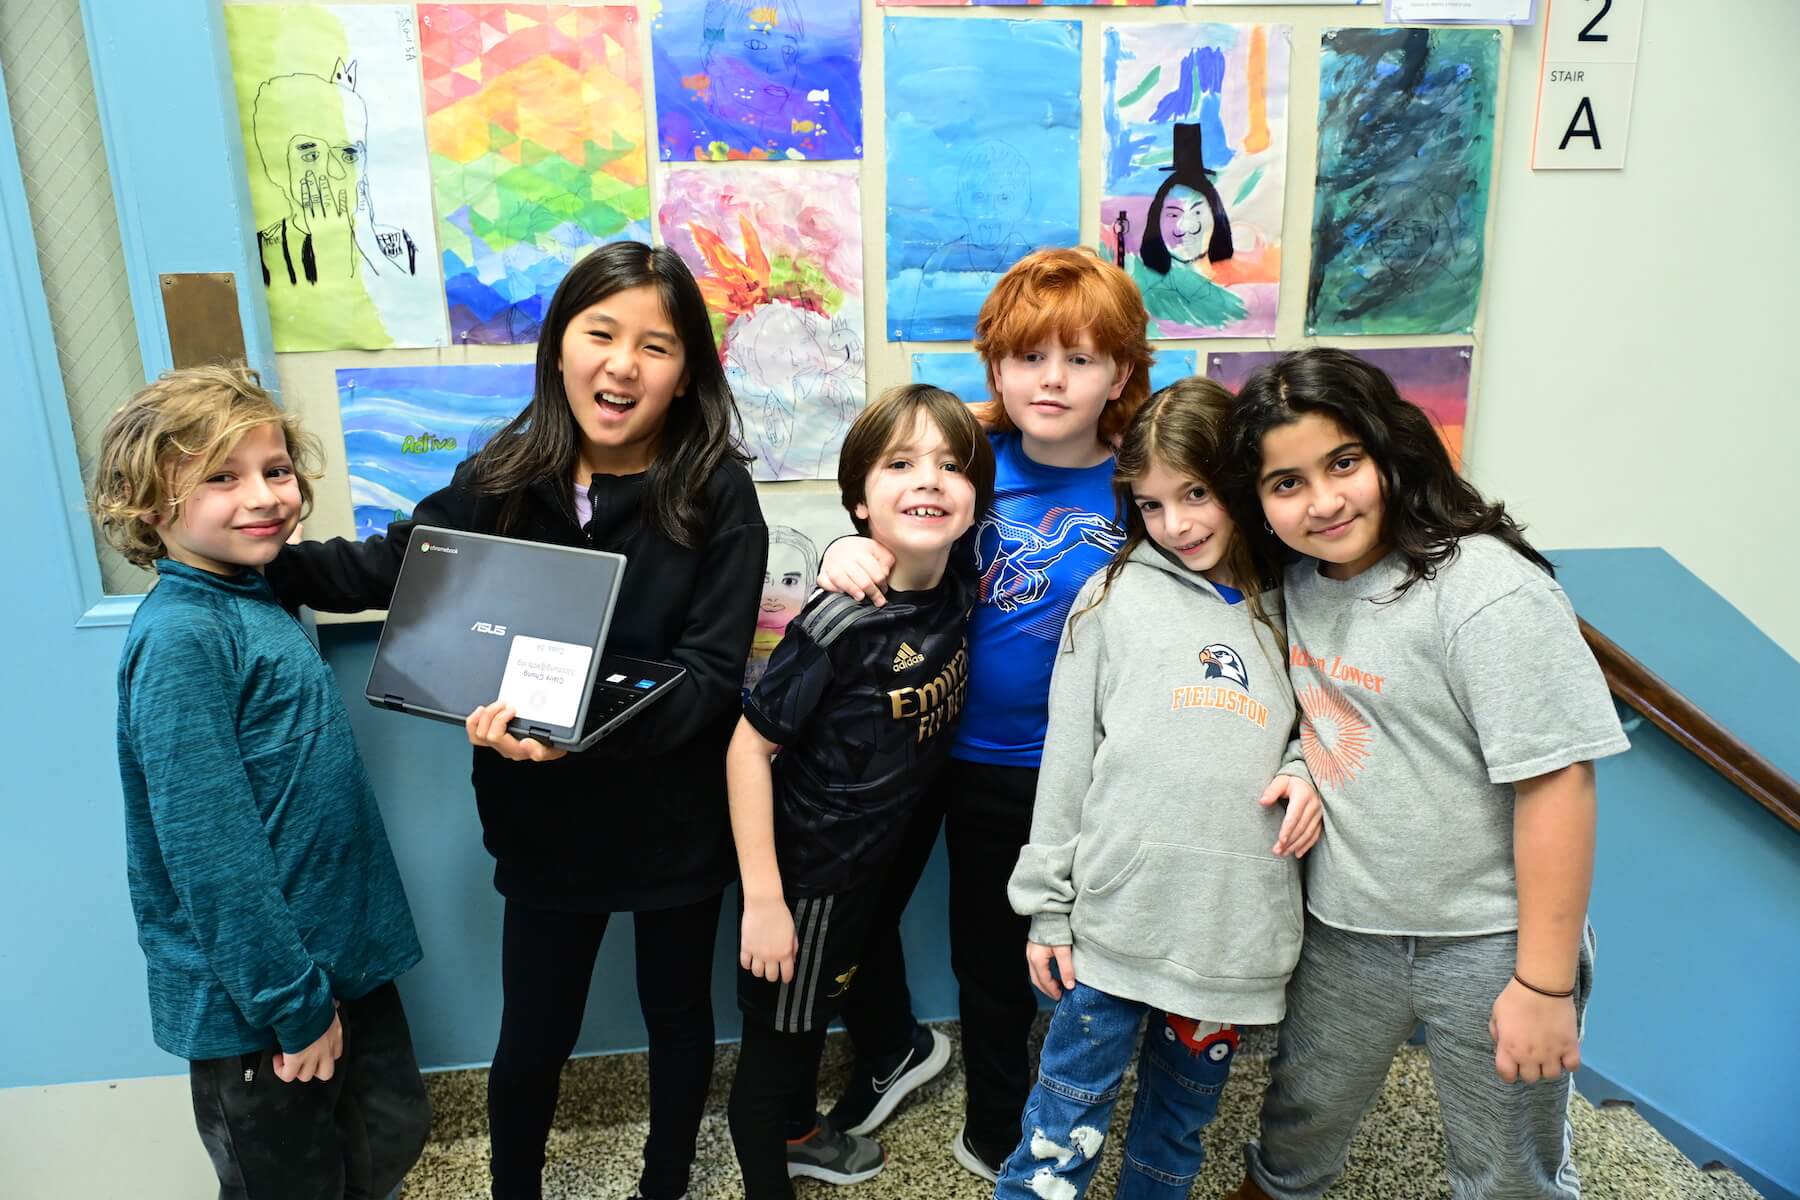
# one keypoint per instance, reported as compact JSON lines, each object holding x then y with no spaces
{"x":1532,"y":987}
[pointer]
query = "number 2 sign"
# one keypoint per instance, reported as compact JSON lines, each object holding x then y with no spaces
{"x":1585,"y":81}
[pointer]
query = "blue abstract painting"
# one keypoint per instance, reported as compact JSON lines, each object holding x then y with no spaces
{"x":758,"y":79}
{"x":963,"y":375}
{"x":407,"y":429}
{"x":983,"y":161}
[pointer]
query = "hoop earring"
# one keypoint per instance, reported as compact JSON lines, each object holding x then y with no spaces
{"x":1268,"y":528}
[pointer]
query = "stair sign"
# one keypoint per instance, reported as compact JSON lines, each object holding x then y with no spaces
{"x":1585,"y":81}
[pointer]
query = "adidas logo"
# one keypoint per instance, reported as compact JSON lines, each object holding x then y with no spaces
{"x":906,"y":657}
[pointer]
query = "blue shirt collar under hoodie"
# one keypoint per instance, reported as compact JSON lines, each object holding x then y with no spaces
{"x":1152,"y":555}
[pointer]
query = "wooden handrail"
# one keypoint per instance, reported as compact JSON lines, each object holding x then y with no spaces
{"x":1709,"y":741}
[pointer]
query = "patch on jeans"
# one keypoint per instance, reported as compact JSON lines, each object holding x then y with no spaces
{"x":1212,"y":1040}
{"x":1086,"y":1143}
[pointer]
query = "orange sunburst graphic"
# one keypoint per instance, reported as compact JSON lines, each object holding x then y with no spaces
{"x":1333,"y":735}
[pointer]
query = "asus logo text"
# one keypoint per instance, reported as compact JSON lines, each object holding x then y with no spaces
{"x":484,"y":627}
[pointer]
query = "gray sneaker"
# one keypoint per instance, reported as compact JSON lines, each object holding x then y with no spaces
{"x":832,"y":1156}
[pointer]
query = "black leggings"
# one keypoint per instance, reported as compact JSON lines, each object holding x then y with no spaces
{"x":546,"y":965}
{"x":773,"y":1098}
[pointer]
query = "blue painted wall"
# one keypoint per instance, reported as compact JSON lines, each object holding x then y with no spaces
{"x":1697,"y":889}
{"x":73,"y":1006}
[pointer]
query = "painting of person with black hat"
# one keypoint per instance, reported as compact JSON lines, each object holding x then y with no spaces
{"x":1185,"y":228}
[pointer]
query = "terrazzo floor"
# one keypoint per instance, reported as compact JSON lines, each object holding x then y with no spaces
{"x":594,"y":1152}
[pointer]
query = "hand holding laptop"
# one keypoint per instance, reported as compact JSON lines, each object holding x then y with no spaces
{"x":487,"y":727}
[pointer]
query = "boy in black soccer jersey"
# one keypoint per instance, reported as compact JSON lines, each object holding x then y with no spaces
{"x":856,"y":708}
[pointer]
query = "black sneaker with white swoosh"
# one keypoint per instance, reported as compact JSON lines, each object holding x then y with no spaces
{"x":875,"y":1091}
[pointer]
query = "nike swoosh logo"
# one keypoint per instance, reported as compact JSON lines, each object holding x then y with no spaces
{"x":882,"y":1085}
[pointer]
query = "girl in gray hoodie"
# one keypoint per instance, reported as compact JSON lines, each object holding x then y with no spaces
{"x":1162,"y":875}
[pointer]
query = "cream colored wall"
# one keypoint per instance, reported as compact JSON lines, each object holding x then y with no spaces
{"x":1641,"y":386}
{"x":1584,"y":401}
{"x":123,"y":1137}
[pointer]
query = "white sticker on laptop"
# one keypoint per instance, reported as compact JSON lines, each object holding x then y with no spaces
{"x":543,"y":679}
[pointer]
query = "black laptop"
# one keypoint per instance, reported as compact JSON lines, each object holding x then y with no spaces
{"x":477,"y":618}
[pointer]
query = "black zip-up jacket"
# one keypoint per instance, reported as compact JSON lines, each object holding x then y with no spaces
{"x":640,"y":821}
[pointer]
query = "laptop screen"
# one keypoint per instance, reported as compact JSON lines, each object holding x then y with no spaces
{"x":476,"y":618}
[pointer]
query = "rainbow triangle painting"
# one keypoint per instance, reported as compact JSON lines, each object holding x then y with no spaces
{"x":535,"y":123}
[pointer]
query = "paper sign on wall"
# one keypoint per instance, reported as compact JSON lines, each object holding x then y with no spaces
{"x":1461,"y":12}
{"x":1585,"y":81}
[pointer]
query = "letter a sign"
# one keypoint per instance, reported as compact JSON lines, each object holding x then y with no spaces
{"x":1585,"y":79}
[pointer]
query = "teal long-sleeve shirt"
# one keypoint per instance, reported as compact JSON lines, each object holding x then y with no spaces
{"x":259,"y":868}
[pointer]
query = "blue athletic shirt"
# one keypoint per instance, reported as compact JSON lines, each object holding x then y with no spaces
{"x":1049,"y":529}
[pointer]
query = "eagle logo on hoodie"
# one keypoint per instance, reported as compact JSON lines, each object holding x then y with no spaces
{"x":1222,"y":662}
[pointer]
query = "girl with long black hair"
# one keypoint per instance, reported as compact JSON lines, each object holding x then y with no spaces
{"x":1451,"y":713}
{"x":628,"y":445}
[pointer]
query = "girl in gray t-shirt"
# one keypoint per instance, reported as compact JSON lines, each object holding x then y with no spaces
{"x":1451,"y":713}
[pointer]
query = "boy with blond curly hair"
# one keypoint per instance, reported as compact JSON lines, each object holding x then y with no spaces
{"x":268,"y":903}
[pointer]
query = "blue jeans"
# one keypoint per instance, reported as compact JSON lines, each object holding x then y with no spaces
{"x":1182,"y":1068}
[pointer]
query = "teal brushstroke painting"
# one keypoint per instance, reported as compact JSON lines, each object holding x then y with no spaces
{"x":1406,"y":149}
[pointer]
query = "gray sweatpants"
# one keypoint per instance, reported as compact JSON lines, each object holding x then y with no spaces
{"x":1354,"y":999}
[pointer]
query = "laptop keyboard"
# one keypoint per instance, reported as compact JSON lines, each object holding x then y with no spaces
{"x":607,"y":703}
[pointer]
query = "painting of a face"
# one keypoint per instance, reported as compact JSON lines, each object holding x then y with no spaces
{"x":1405,"y":245}
{"x":1186,"y":224}
{"x":757,"y":66}
{"x":992,"y":204}
{"x":785,"y":587}
{"x":323,"y":175}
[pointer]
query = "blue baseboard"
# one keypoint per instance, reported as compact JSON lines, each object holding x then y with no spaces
{"x":1701,"y":1150}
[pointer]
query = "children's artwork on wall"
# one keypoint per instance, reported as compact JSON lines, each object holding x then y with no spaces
{"x":1436,"y":378}
{"x":407,"y":429}
{"x":983,"y":161}
{"x":778,"y":255}
{"x":758,"y":79}
{"x":1058,"y":3}
{"x":328,"y":100}
{"x":801,"y":525}
{"x":963,"y":374}
{"x":1196,"y":154}
{"x":536,"y":124}
{"x":1406,"y":148}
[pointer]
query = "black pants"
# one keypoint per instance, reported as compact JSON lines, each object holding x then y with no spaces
{"x":986,"y":815}
{"x":774,"y":1070}
{"x":351,"y":1137}
{"x":546,"y":966}
{"x":774,"y":1095}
